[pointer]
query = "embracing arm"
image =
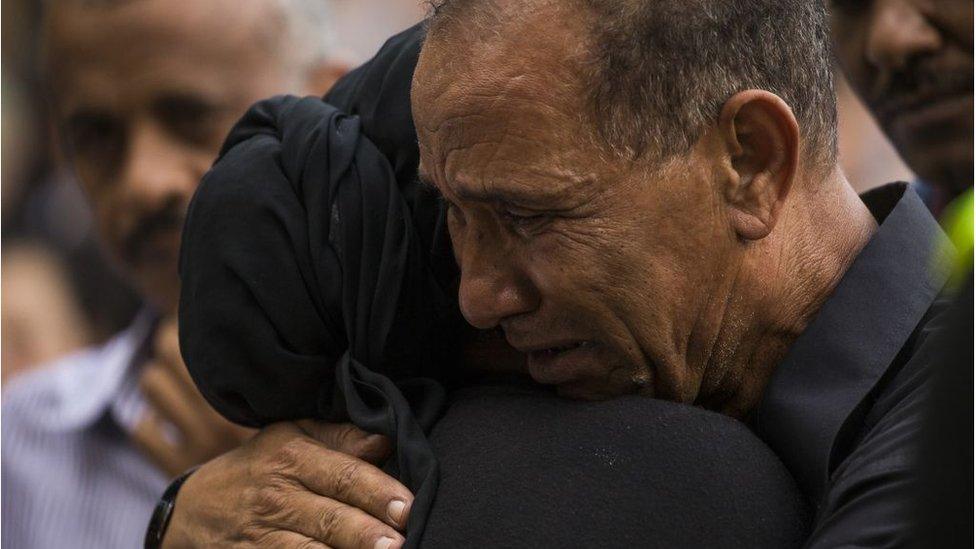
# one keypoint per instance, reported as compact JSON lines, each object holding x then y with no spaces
{"x":295,"y":484}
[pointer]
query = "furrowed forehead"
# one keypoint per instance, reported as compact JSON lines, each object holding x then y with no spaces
{"x":464,"y":100}
{"x":528,"y":184}
{"x":500,"y":114}
{"x":538,"y":50}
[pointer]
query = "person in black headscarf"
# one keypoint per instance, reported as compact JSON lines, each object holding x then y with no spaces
{"x":317,"y":282}
{"x":306,"y":289}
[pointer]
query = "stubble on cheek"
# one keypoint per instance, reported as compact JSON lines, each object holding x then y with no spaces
{"x":604,"y":293}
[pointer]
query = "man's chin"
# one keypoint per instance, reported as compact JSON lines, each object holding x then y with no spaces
{"x":592,"y":390}
{"x":575,"y":391}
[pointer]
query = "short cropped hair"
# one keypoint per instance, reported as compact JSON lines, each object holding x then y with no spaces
{"x":661,"y":70}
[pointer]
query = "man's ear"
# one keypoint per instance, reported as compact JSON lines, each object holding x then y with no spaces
{"x":322,"y":76}
{"x":762,"y":139}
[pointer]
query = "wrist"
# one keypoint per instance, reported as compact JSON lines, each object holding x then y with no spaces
{"x":157,"y":534}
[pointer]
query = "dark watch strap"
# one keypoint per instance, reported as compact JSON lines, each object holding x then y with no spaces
{"x":164,"y":511}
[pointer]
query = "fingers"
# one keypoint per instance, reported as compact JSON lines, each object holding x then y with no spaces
{"x":167,"y":351}
{"x":172,"y":400}
{"x":150,"y":437}
{"x":168,"y":360}
{"x":290,"y":540}
{"x":348,"y":439}
{"x":340,"y":525}
{"x":348,"y":480}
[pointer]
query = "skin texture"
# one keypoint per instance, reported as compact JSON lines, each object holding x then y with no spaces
{"x":684,"y":280}
{"x":912,"y":63}
{"x":296,"y":473}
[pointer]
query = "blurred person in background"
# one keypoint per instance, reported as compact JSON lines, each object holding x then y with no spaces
{"x":45,"y":211}
{"x":143,"y":92}
{"x":912,"y":63}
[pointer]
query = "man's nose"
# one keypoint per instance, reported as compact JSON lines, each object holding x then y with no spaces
{"x":897,"y":32}
{"x":157,"y":168}
{"x":492,"y":286}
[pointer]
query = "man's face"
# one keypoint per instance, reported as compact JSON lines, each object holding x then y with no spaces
{"x":596,"y":267}
{"x":145,"y":92}
{"x":912,"y":63}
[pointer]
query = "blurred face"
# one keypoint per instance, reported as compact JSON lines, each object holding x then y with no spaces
{"x":912,"y":63}
{"x":597,"y":268}
{"x":145,"y":92}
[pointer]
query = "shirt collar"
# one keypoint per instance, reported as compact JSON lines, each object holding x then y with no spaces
{"x":854,"y":337}
{"x":105,"y":381}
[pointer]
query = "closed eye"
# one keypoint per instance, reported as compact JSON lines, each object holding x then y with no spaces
{"x":524,"y":221}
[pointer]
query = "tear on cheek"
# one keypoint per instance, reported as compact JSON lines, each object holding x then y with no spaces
{"x":641,"y":378}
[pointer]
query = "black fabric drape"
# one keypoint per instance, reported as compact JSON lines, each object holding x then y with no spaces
{"x":307,"y":287}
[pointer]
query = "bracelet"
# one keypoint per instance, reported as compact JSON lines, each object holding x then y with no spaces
{"x":164,"y":511}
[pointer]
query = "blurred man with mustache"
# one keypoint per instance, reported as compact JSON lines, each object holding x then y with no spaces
{"x":912,"y":62}
{"x":144,"y":92}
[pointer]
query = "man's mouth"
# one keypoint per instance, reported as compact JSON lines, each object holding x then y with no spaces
{"x":552,"y":351}
{"x":154,"y":237}
{"x":562,"y":362}
{"x":925,"y":97}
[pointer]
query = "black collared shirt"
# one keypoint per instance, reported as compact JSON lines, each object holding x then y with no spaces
{"x":843,"y":408}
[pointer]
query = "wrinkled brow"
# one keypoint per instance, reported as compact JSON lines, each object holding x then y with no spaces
{"x":539,"y":197}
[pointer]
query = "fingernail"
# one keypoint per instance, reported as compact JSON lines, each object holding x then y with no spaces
{"x":383,"y":543}
{"x":395,"y":511}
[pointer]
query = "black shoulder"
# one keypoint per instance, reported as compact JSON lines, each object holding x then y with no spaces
{"x":529,"y":469}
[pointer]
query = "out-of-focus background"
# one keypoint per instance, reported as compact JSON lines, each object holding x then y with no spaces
{"x":60,"y":292}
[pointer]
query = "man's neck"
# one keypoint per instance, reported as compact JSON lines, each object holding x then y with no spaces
{"x":825,"y":228}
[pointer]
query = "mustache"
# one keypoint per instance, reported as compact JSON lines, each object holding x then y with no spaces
{"x":136,"y":244}
{"x":920,"y":82}
{"x":522,"y":329}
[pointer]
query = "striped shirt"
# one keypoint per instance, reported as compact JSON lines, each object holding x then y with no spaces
{"x":71,"y":476}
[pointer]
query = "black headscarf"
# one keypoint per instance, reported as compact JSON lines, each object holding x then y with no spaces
{"x":316,"y":274}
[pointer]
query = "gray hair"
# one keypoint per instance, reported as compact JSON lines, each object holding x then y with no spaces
{"x":660,"y":70}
